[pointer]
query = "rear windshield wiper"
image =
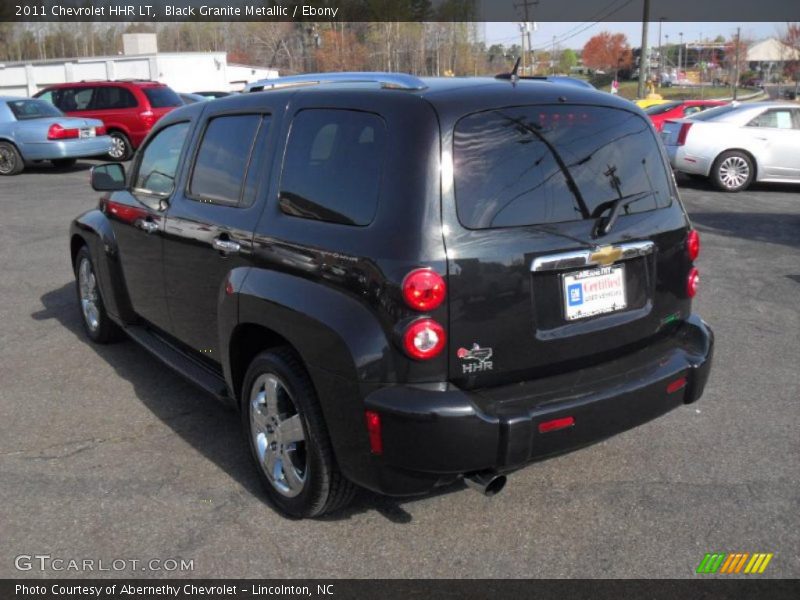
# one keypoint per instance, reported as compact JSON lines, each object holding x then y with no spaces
{"x":604,"y":224}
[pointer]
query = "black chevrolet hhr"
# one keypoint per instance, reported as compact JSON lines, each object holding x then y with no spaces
{"x":403,"y":282}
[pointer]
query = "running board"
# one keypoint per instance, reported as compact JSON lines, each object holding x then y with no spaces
{"x":197,"y":373}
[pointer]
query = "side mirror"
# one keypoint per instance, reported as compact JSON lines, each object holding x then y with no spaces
{"x":109,"y":177}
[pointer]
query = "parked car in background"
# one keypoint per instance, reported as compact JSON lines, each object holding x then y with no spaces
{"x":33,"y":130}
{"x":128,"y":108}
{"x":192,"y":98}
{"x":213,"y":95}
{"x":403,"y":282}
{"x":737,"y":144}
{"x":677,"y":109}
{"x":647,"y":102}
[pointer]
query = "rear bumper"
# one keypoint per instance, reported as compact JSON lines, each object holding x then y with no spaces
{"x":434,"y":434}
{"x":687,"y":163}
{"x":78,"y":148}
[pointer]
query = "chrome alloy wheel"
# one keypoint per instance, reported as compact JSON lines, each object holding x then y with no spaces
{"x":87,"y":285}
{"x":117,"y":147}
{"x":7,"y":160}
{"x":278,"y":436}
{"x":734,"y":172}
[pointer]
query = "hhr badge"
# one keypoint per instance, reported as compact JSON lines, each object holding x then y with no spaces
{"x":476,"y":359}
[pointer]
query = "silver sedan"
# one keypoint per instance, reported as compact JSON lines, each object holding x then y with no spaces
{"x":33,"y":130}
{"x":738,"y":144}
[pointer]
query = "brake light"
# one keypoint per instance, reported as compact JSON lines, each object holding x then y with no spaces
{"x":100,"y":130}
{"x":693,"y":244}
{"x":374,"y":431}
{"x":148,"y":118}
{"x":683,"y":132}
{"x":57,"y":132}
{"x":424,"y":289}
{"x":692,"y":282}
{"x":424,"y":339}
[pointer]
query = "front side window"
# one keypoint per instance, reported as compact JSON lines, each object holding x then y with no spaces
{"x":333,"y":166}
{"x":222,"y":160}
{"x":72,"y":99}
{"x":159,"y":165}
{"x":532,"y":165}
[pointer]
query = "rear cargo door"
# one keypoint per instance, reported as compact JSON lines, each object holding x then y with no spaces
{"x":539,"y":280}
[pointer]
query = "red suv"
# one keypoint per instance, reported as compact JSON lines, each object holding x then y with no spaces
{"x":129,"y":109}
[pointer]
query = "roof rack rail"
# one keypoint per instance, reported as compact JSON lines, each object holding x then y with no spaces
{"x":393,"y":81}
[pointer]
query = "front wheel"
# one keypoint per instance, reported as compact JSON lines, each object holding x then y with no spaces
{"x":288,"y":439}
{"x":98,"y":325}
{"x":733,"y":171}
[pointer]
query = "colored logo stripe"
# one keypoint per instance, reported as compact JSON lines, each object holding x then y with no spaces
{"x":722,"y":562}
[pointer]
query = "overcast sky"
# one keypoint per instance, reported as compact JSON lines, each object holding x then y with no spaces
{"x":575,"y":35}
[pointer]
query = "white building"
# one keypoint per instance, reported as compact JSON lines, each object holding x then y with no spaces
{"x":182,"y":71}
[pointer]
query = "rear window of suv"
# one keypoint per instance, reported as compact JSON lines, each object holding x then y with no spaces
{"x":162,"y":97}
{"x":533,"y":165}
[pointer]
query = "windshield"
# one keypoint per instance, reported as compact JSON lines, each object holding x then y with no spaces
{"x":660,"y":109}
{"x":548,"y":164}
{"x":25,"y":110}
{"x":714,"y":113}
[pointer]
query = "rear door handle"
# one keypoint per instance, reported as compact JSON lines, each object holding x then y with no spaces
{"x":147,"y":226}
{"x":227,"y":246}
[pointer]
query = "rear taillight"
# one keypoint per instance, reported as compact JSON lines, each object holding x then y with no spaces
{"x":692,"y":282}
{"x":374,"y":431}
{"x":693,"y":244}
{"x":424,"y":289}
{"x":683,"y":132}
{"x":424,"y":339}
{"x":100,"y":130}
{"x":57,"y":132}
{"x":148,"y":118}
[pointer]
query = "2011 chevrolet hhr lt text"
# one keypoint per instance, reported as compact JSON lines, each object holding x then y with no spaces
{"x":403,"y":282}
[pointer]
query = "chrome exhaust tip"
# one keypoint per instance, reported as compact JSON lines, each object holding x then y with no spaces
{"x":487,"y":483}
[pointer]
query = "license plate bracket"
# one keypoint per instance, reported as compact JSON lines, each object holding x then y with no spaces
{"x":592,"y":292}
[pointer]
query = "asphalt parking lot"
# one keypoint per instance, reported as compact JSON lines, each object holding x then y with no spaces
{"x":106,"y":454}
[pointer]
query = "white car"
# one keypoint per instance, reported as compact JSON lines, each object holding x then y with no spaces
{"x":737,"y":144}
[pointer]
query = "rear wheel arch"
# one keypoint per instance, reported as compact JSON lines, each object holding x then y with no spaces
{"x":246,"y":342}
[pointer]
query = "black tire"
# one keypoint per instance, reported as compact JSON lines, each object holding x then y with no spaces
{"x":322,"y":488}
{"x":96,"y":322}
{"x":64,"y":163}
{"x":733,"y":171}
{"x":11,"y":162}
{"x":122,"y":148}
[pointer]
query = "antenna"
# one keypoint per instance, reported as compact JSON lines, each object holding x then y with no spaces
{"x":513,"y":76}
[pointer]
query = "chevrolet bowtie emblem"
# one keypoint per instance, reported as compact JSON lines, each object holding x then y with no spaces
{"x":605,"y":255}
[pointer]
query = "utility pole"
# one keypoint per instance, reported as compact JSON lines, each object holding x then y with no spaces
{"x":644,"y":56}
{"x":525,"y":27}
{"x":680,"y":55}
{"x":660,"y":52}
{"x":553,"y":56}
{"x":736,"y":66}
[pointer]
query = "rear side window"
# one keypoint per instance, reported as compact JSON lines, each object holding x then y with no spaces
{"x":333,"y":165}
{"x":774,"y":119}
{"x":113,"y":97}
{"x":162,"y":97}
{"x":222,"y":159}
{"x":548,"y":164}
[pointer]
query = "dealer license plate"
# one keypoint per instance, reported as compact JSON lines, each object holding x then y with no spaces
{"x":594,"y":292}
